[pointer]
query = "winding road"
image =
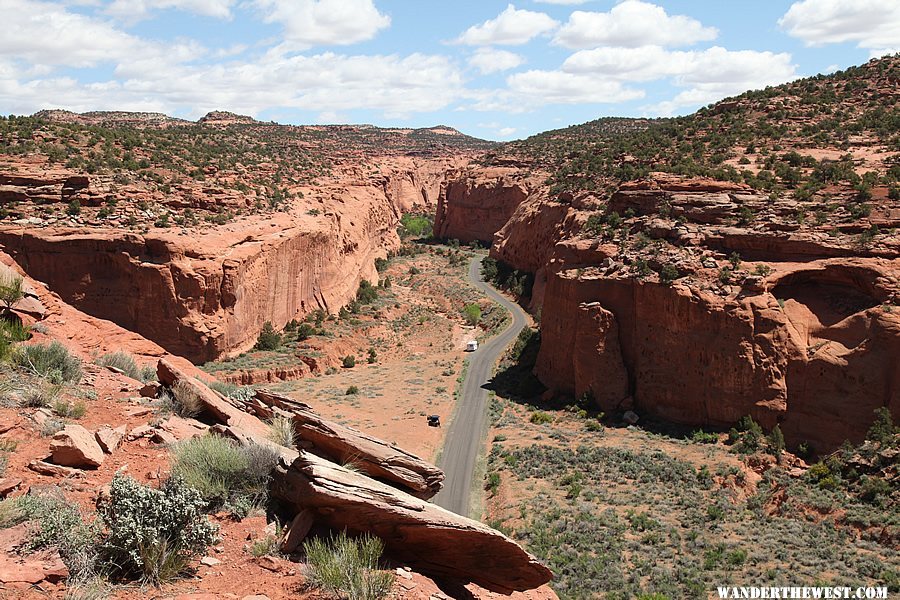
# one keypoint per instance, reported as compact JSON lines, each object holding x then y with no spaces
{"x":464,"y":437}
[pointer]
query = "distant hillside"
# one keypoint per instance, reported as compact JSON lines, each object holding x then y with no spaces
{"x":793,"y":138}
{"x":222,"y":153}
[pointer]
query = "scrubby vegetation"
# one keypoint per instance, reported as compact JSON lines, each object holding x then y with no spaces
{"x":225,"y":474}
{"x":153,"y":534}
{"x":52,"y":361}
{"x":125,"y":362}
{"x":346,"y":567}
{"x":625,"y":522}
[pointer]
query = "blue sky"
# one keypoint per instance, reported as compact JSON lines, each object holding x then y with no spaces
{"x":492,"y":69}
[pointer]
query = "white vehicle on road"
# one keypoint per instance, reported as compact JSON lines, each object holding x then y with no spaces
{"x":471,"y":346}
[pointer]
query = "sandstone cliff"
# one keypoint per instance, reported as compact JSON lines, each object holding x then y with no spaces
{"x":801,"y":330}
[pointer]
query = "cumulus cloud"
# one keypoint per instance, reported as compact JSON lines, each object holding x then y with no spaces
{"x":872,"y":24}
{"x":537,"y":88}
{"x":492,"y":60}
{"x":309,"y":23}
{"x":511,"y":27}
{"x":631,"y":24}
{"x":44,"y":33}
{"x":708,"y":75}
{"x":394,"y":85}
{"x":135,"y":10}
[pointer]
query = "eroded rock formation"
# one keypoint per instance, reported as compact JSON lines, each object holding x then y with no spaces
{"x":801,"y":330}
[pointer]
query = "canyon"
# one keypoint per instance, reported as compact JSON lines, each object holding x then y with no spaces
{"x":760,"y":278}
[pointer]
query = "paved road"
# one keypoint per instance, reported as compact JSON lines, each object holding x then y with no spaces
{"x":464,"y":437}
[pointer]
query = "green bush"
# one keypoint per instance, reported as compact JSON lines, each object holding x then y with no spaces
{"x":541,"y":418}
{"x":348,"y":568}
{"x":11,"y":332}
{"x":348,"y":361}
{"x":224,"y":473}
{"x":352,"y":391}
{"x":154,"y":534}
{"x":268,"y":339}
{"x":52,"y":361}
{"x":472,"y":314}
{"x":11,"y":290}
{"x":367,"y":293}
{"x":415,"y":226}
{"x":668,"y":273}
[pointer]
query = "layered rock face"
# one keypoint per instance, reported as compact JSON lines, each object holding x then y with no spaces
{"x":202,"y":294}
{"x":479,"y":202}
{"x":807,"y":337}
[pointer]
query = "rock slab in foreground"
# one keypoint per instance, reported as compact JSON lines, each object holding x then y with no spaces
{"x":376,"y":458}
{"x":75,"y":446}
{"x":428,"y":538}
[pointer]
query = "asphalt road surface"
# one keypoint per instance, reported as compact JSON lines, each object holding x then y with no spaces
{"x":464,"y":437}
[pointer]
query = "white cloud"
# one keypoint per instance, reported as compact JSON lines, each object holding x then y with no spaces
{"x":631,"y":24}
{"x":537,"y":88}
{"x":506,"y":131}
{"x":717,"y":73}
{"x":135,"y":10}
{"x":565,"y":2}
{"x":491,"y":60}
{"x":708,"y":75}
{"x":309,"y":23}
{"x":511,"y":27}
{"x":872,"y":24}
{"x":396,"y":86}
{"x":46,"y":34}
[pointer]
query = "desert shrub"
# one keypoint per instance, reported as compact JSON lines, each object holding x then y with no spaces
{"x":42,"y":395}
{"x":224,"y":473}
{"x":4,"y":460}
{"x":231,"y":390}
{"x":153,"y":534}
{"x":540,"y":417}
{"x":69,"y":410}
{"x":52,"y":361}
{"x":268,"y":339}
{"x":704,"y":437}
{"x":367,"y":293}
{"x":746,"y":436}
{"x":57,"y":523}
{"x":349,"y":361}
{"x":281,"y":431}
{"x":125,"y":362}
{"x":11,"y":290}
{"x":882,"y":429}
{"x":492,"y":482}
{"x":472,"y":314}
{"x":352,"y":391}
{"x":776,"y":440}
{"x":348,"y":568}
{"x":668,"y":273}
{"x":267,"y":546}
{"x":415,"y":225}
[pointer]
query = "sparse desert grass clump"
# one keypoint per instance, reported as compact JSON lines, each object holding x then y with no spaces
{"x":281,"y":431}
{"x":225,"y":474}
{"x":55,"y":523}
{"x":52,"y":361}
{"x":186,"y":402}
{"x":346,"y":567}
{"x":126,"y":363}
